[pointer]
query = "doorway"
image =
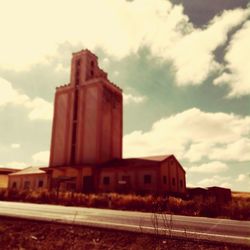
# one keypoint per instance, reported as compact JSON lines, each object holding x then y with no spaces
{"x":88,"y":184}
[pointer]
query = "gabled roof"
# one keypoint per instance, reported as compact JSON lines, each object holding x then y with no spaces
{"x":29,"y":170}
{"x":155,"y":158}
{"x":136,"y":162}
{"x":8,"y":170}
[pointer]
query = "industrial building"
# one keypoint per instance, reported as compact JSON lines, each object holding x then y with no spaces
{"x":29,"y":178}
{"x":86,"y":143}
{"x":4,"y":176}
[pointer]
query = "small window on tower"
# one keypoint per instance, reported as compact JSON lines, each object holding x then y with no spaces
{"x":106,"y":180}
{"x":181,"y":183}
{"x":147,"y":179}
{"x":164,"y":179}
{"x":78,"y":62}
{"x":92,"y":64}
{"x":173,"y":181}
{"x":40,"y":183}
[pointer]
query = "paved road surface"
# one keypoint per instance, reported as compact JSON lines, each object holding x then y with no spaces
{"x":182,"y":226}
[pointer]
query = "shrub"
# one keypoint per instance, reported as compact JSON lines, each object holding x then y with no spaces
{"x":238,"y":208}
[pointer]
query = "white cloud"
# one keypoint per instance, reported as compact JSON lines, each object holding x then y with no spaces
{"x":175,"y":134}
{"x":133,"y":23}
{"x":8,"y":95}
{"x":237,"y":63}
{"x":39,"y":109}
{"x":221,"y":181}
{"x":236,"y":151}
{"x":157,"y":24}
{"x":193,"y":54}
{"x":106,"y":60}
{"x":129,"y":98}
{"x":197,"y":151}
{"x":41,"y":157}
{"x":15,"y":145}
{"x":14,"y":164}
{"x":241,"y":177}
{"x":211,"y":167}
{"x":61,"y":68}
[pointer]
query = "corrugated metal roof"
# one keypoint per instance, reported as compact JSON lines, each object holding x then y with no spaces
{"x":29,"y":170}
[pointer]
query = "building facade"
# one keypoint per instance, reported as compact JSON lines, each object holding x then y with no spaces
{"x":30,"y":178}
{"x":86,"y":143}
{"x":157,"y":174}
{"x":4,"y":176}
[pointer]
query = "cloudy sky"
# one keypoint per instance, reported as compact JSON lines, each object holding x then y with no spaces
{"x":184,"y":66}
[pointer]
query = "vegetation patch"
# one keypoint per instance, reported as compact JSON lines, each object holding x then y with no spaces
{"x":238,"y":208}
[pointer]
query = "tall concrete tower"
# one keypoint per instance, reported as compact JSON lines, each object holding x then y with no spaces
{"x":87,"y":123}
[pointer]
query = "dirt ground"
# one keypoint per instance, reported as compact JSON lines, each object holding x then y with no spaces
{"x":24,"y":234}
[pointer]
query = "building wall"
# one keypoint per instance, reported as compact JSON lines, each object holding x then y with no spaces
{"x":77,"y":174}
{"x":62,"y":125}
{"x":28,"y":181}
{"x":157,"y":177}
{"x":127,"y":179}
{"x":174,"y":176}
{"x":87,"y":145}
{"x":4,"y":180}
{"x":111,"y":124}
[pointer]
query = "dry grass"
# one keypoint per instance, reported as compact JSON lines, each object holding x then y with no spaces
{"x":238,"y":208}
{"x":36,"y":235}
{"x":244,"y":195}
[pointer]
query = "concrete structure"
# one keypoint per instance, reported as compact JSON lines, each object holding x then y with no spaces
{"x":157,"y":174}
{"x":4,"y":176}
{"x":86,"y":143}
{"x":87,"y":124}
{"x":218,"y":194}
{"x":29,"y":178}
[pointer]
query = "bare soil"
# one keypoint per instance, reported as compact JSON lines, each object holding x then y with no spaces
{"x":25,"y":234}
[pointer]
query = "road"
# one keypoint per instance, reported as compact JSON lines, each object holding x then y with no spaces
{"x":222,"y":230}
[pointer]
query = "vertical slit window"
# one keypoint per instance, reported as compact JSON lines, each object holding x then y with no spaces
{"x":75,"y":106}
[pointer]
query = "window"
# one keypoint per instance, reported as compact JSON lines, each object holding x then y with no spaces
{"x":78,"y":62}
{"x":181,"y":183}
{"x":106,"y":180}
{"x":40,"y":183}
{"x":14,"y":185}
{"x":147,"y":179}
{"x":164,"y":179}
{"x":173,"y":181}
{"x":92,"y":64}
